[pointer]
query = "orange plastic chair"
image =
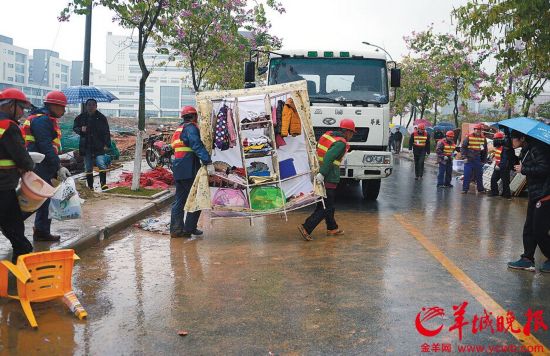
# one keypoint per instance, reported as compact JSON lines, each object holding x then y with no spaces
{"x":41,"y":276}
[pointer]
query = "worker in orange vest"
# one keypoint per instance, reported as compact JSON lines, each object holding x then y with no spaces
{"x":189,"y":152}
{"x":445,"y":149}
{"x":14,"y":160}
{"x":474,"y":150}
{"x":419,"y":143}
{"x":331,"y":149}
{"x":505,"y":159}
{"x":42,"y":134}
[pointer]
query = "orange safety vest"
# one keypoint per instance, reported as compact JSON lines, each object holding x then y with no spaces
{"x":324,"y":144}
{"x":28,"y":136}
{"x":448,"y":148}
{"x":475,"y":142}
{"x":420,"y":140}
{"x":6,"y":163}
{"x":498,"y":155}
{"x":180,"y":148}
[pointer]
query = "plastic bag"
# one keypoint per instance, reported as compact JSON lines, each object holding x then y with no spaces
{"x":65,"y":203}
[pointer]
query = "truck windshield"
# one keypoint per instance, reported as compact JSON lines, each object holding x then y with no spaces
{"x":338,"y":80}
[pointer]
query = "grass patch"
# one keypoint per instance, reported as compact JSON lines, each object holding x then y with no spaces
{"x":138,"y":193}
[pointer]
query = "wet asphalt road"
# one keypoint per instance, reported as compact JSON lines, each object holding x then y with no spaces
{"x":258,"y":289}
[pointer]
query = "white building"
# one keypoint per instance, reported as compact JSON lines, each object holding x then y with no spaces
{"x":168,"y":87}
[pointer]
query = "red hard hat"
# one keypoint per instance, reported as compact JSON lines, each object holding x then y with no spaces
{"x":450,"y":133}
{"x":421,"y":126}
{"x":347,"y":124}
{"x":14,"y":94}
{"x":186,"y":110}
{"x":499,"y":134}
{"x":56,"y":97}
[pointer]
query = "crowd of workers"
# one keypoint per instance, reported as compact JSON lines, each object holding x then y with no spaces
{"x":40,"y":133}
{"x":533,"y":163}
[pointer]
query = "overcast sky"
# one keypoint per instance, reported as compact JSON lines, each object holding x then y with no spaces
{"x":309,"y":24}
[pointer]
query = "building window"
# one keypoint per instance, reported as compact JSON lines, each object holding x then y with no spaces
{"x":63,"y":77}
{"x":20,"y":57}
{"x":56,"y":75}
{"x":57,"y":64}
{"x":10,"y":79}
{"x":19,"y":78}
{"x":64,"y":69}
{"x":19,"y":68}
{"x":169,"y":97}
{"x":10,"y":65}
{"x":10,"y":52}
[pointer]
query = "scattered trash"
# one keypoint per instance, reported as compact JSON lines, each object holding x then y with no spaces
{"x":160,"y":225}
{"x":74,"y":305}
{"x":182,"y":333}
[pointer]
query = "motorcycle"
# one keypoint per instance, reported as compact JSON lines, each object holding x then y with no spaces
{"x":158,"y":152}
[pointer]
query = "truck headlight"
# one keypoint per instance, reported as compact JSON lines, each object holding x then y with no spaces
{"x":368,"y":158}
{"x":379,"y":159}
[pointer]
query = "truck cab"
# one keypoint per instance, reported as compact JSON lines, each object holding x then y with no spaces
{"x":343,"y":84}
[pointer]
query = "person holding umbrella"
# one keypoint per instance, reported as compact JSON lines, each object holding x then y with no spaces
{"x":535,"y":165}
{"x":95,"y":141}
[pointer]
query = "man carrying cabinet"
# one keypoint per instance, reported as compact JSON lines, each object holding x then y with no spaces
{"x":331,"y":149}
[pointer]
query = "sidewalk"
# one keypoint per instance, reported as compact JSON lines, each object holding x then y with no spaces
{"x":103,"y":216}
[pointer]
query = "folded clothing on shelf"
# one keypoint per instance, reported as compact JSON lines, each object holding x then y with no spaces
{"x":262,"y":179}
{"x":256,"y":166}
{"x":264,"y":147}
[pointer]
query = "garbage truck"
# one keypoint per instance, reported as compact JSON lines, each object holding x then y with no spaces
{"x":344,"y":84}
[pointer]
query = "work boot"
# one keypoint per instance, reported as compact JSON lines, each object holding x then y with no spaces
{"x":449,"y":185}
{"x":90,"y":180}
{"x":524,"y":264}
{"x":545,"y":267}
{"x":179,"y":235}
{"x":335,"y":232}
{"x":103,"y":180}
{"x":195,"y":232}
{"x":42,"y":236}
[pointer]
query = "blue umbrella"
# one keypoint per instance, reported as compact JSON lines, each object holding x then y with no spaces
{"x":79,"y":94}
{"x":529,"y":127}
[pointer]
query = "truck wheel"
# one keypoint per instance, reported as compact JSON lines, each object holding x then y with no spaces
{"x":370,"y":188}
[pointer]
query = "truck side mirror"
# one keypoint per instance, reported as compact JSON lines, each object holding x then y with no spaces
{"x":395,"y":80}
{"x":249,"y":72}
{"x":262,"y":70}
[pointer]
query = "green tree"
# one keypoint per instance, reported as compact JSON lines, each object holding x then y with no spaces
{"x":214,"y":37}
{"x":507,"y":23}
{"x":141,"y":16}
{"x":518,"y":35}
{"x":456,"y":61}
{"x":421,"y":87}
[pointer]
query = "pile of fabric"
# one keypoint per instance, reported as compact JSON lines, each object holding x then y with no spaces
{"x":158,"y":178}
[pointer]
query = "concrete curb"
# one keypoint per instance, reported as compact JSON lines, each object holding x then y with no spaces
{"x":81,"y":243}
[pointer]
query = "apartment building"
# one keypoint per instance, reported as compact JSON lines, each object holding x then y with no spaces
{"x":168,"y":86}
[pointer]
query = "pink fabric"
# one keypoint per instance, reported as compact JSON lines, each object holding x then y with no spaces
{"x":231,"y":128}
{"x":279,"y":140}
{"x":274,"y":115}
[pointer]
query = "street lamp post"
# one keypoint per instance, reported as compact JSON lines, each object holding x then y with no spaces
{"x":373,"y":45}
